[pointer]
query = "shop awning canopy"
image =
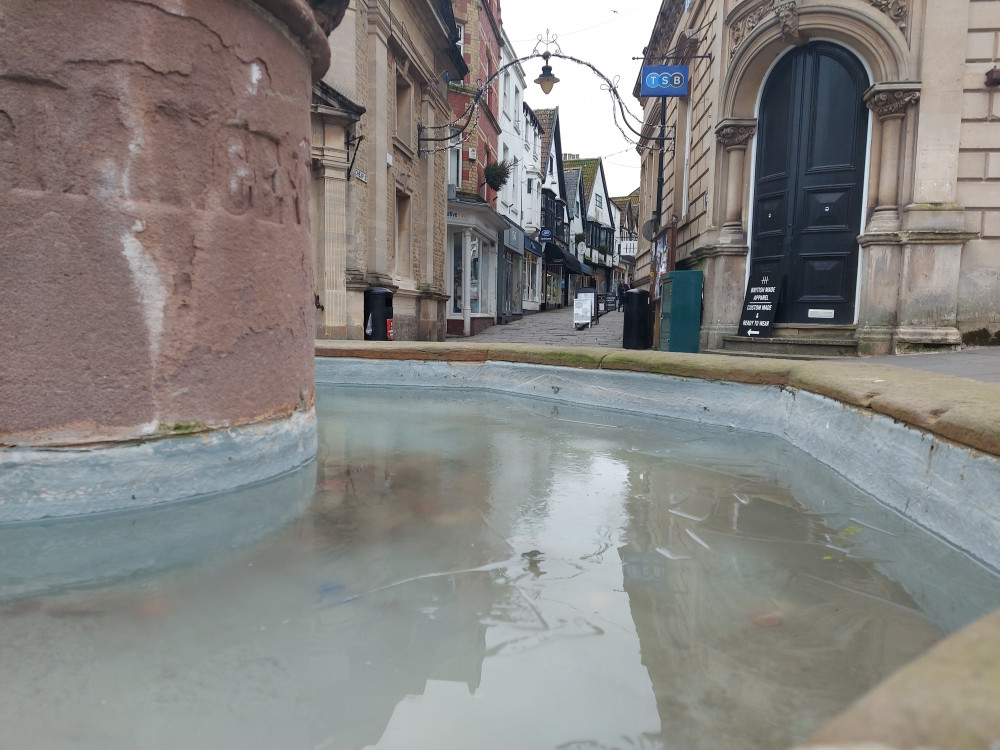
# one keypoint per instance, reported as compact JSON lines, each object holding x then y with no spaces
{"x":556,"y":256}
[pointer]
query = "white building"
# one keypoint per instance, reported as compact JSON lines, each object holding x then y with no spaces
{"x":530,"y":161}
{"x":510,"y":272}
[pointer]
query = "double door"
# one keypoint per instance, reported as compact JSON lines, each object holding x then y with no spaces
{"x":808,"y":182}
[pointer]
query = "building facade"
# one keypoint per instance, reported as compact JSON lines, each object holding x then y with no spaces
{"x":847,"y":148}
{"x":531,"y":210}
{"x":625,"y":211}
{"x":510,"y":199}
{"x":561,"y":270}
{"x":379,"y":191}
{"x":474,"y":249}
{"x":598,"y":224}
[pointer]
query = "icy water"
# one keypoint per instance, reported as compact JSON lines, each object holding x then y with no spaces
{"x":458,"y":573}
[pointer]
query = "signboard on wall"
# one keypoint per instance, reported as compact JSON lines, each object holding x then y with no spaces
{"x":759,"y":306}
{"x":664,"y":80}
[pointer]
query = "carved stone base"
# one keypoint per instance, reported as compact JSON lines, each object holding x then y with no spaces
{"x":922,"y":338}
{"x":884,"y":219}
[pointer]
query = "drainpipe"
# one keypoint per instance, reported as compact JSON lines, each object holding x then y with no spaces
{"x":659,"y":174}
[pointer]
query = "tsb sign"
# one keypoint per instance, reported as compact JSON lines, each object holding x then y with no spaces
{"x":664,"y":80}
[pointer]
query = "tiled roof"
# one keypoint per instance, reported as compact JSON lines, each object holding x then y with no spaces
{"x":589,"y":168}
{"x":572,"y":177}
{"x":546,"y":117}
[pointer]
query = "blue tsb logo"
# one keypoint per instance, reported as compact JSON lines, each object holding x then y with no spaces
{"x":664,"y":80}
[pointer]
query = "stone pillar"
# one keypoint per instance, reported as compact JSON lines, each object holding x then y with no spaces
{"x":889,"y":101}
{"x":734,"y":135}
{"x":467,"y":282}
{"x":332,"y":272}
{"x":155,"y":257}
{"x":724,"y":268}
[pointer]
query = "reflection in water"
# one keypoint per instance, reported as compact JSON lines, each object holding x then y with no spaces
{"x":495,"y":574}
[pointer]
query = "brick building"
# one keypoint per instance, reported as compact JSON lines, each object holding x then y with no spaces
{"x":474,"y":226}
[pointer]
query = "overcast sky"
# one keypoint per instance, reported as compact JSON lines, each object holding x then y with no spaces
{"x":605,"y":33}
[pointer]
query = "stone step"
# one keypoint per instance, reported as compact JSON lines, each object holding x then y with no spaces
{"x":808,"y":347}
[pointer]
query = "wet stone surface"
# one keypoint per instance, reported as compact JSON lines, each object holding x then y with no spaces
{"x":499,"y":573}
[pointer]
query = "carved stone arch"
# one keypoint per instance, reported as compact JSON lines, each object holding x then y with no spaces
{"x":872,"y":35}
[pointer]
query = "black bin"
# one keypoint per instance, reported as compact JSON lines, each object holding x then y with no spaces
{"x":638,"y":331}
{"x":378,"y":314}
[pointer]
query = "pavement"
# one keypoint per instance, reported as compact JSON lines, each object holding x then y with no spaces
{"x":555,"y":328}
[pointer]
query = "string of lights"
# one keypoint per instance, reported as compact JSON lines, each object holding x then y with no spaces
{"x":470,"y":117}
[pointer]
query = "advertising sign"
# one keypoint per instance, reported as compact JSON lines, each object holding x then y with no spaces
{"x":664,"y":80}
{"x":583,"y":310}
{"x":759,"y":306}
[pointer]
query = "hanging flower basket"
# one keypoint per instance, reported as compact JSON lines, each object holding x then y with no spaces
{"x":497,"y":174}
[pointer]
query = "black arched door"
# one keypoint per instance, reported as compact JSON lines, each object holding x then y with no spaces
{"x":808,"y":184}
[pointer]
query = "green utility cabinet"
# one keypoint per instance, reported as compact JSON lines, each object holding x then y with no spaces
{"x":680,"y":312}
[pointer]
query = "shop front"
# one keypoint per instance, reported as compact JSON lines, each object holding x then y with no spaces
{"x":531,"y":292}
{"x":474,"y":265}
{"x":510,"y":279}
{"x":563,"y":273}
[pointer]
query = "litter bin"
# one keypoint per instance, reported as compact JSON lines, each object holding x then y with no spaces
{"x":638,"y":333}
{"x":378,"y":314}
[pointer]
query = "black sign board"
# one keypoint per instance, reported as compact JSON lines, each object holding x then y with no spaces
{"x":759,"y":306}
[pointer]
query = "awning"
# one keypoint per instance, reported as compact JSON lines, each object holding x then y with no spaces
{"x":586,"y":270}
{"x":556,"y":256}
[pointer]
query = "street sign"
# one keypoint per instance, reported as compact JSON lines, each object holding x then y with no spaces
{"x":664,"y":80}
{"x":759,"y":306}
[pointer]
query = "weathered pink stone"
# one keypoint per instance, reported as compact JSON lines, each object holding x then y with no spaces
{"x":155,"y":267}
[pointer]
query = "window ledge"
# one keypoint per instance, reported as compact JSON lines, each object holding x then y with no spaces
{"x":403,"y":146}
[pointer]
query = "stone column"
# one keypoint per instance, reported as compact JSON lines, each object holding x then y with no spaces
{"x":333,"y":271}
{"x":734,"y":135}
{"x":155,"y":253}
{"x":466,"y":282}
{"x":889,"y":101}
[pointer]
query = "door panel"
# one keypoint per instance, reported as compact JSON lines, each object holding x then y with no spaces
{"x":809,"y":173}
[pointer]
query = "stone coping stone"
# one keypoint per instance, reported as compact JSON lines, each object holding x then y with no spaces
{"x":948,"y":698}
{"x":956,"y":409}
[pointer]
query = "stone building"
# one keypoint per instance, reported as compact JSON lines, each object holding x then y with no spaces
{"x":849,"y":148}
{"x":379,"y":191}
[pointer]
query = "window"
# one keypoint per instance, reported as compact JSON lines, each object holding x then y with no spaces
{"x":455,"y":163}
{"x":402,"y":235}
{"x":508,"y":187}
{"x":506,"y":93}
{"x":478,"y":276}
{"x":529,"y":185}
{"x":404,"y":110}
{"x":530,"y":292}
{"x":461,"y":39}
{"x":599,"y":200}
